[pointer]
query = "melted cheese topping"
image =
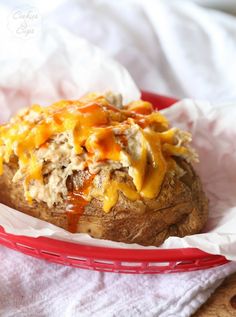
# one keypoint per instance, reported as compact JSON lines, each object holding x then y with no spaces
{"x":156,"y":170}
{"x":100,"y":134}
{"x":111,"y":194}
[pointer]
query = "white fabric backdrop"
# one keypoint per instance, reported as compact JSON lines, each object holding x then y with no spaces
{"x":174,"y":48}
{"x":177,"y":49}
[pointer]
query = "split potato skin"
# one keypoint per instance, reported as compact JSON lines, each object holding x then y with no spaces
{"x":180,"y":209}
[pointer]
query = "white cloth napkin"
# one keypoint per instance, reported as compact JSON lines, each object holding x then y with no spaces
{"x":30,"y":287}
{"x":175,"y":49}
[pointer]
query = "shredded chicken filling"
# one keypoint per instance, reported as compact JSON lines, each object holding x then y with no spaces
{"x":51,"y":143}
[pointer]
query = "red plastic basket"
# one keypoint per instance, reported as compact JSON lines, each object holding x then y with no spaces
{"x":113,"y":259}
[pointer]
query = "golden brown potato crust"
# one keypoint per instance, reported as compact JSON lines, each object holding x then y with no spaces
{"x":180,"y":209}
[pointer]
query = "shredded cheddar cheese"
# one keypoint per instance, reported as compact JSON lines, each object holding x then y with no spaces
{"x":137,"y":137}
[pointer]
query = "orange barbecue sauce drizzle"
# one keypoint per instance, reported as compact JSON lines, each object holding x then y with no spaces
{"x":76,"y":203}
{"x":91,"y":122}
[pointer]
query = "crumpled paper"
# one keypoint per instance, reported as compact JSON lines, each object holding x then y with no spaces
{"x":56,"y":65}
{"x":68,"y":68}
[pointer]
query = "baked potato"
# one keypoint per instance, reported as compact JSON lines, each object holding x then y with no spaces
{"x":128,"y":179}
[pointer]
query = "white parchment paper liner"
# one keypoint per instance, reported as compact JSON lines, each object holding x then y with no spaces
{"x":62,"y":66}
